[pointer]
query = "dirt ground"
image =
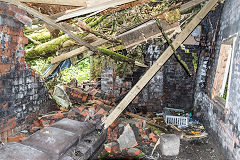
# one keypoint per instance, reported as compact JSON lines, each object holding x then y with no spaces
{"x":198,"y":149}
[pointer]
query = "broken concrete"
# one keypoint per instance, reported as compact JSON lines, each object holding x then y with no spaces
{"x":127,"y":139}
{"x":53,"y":141}
{"x":80,"y":128}
{"x":17,"y":151}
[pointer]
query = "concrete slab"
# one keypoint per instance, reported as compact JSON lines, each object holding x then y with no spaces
{"x":127,"y":139}
{"x":17,"y":151}
{"x":169,"y":144}
{"x":80,"y":128}
{"x":52,"y":140}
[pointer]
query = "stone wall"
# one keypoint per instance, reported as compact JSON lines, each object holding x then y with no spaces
{"x":223,"y":120}
{"x":22,"y":95}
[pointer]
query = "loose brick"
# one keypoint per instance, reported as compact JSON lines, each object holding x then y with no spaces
{"x":16,"y":139}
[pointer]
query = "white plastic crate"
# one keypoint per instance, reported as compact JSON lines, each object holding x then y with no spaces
{"x":175,"y":120}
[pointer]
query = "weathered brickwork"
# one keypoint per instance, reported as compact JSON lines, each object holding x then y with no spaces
{"x":22,"y":94}
{"x":170,"y":87}
{"x":223,"y":121}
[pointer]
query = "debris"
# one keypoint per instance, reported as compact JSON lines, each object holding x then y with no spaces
{"x":172,"y":16}
{"x":184,"y":64}
{"x":16,"y":139}
{"x":127,"y":139}
{"x":98,"y":7}
{"x":169,"y":144}
{"x":146,"y":31}
{"x":158,"y":142}
{"x":61,"y":96}
{"x":153,"y":137}
{"x":134,"y":152}
{"x":81,"y":3}
{"x":158,"y":64}
{"x":112,"y":147}
{"x":175,"y":117}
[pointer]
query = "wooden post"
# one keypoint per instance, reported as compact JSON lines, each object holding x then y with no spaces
{"x":158,"y":64}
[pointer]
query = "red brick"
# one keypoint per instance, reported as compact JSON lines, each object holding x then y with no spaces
{"x":112,"y":148}
{"x":16,"y":139}
{"x":6,"y":44}
{"x":58,"y":116}
{"x":7,"y":53}
{"x":85,"y":113}
{"x":16,"y":9}
{"x":24,"y":19}
{"x":5,"y":105}
{"x":115,"y":123}
{"x":4,"y":68}
{"x":134,"y":151}
{"x":1,"y":10}
{"x":9,"y":12}
{"x":21,"y":60}
{"x":15,"y":39}
{"x":25,"y":40}
{"x":153,"y":137}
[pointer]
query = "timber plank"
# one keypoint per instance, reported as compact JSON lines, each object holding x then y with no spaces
{"x":190,"y":4}
{"x":76,"y":52}
{"x":81,"y":3}
{"x":95,"y":8}
{"x":158,"y":64}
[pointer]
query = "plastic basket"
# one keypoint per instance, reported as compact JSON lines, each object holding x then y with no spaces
{"x":175,"y":120}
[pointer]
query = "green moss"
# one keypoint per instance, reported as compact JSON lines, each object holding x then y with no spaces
{"x":195,"y":61}
{"x":155,"y":130}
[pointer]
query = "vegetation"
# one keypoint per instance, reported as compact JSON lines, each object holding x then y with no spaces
{"x":80,"y":72}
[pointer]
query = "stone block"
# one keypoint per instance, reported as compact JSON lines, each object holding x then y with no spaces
{"x":17,"y":151}
{"x":52,"y":140}
{"x":169,"y":144}
{"x":80,"y":128}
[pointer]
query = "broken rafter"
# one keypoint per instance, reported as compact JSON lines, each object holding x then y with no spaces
{"x":88,"y":10}
{"x":174,"y":50}
{"x":60,"y":27}
{"x":81,"y":3}
{"x":87,"y":28}
{"x":51,"y":22}
{"x":158,"y":64}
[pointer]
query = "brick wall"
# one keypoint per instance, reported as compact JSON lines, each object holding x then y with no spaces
{"x":170,"y":87}
{"x":223,"y":121}
{"x":22,"y":95}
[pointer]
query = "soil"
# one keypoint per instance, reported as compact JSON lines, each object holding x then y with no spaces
{"x":197,"y":149}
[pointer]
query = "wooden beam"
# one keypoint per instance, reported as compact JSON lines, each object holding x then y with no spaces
{"x":59,"y":2}
{"x":190,"y":4}
{"x":51,"y":22}
{"x":158,"y":64}
{"x":76,"y":52}
{"x":130,"y":38}
{"x":88,"y":10}
{"x":147,"y":31}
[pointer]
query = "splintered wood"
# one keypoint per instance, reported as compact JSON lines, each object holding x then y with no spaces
{"x":81,"y":3}
{"x":158,"y":64}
